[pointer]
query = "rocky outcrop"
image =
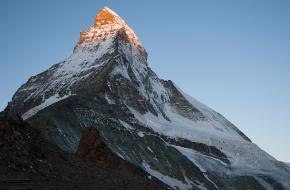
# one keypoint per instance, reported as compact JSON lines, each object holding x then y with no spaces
{"x":93,"y":148}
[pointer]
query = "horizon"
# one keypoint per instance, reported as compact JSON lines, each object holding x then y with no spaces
{"x":238,"y":65}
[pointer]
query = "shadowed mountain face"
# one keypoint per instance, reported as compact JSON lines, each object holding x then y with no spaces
{"x":28,"y":161}
{"x":150,"y":122}
{"x":92,"y":148}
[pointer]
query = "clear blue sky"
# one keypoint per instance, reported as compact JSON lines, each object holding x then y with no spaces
{"x":233,"y":56}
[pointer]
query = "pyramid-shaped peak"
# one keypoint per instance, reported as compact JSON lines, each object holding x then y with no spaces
{"x":107,"y":16}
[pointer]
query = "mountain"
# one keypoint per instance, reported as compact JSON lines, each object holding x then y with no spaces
{"x":107,"y":84}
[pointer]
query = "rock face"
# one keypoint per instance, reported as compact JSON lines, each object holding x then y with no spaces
{"x":27,"y":161}
{"x":106,"y":17}
{"x":147,"y":121}
{"x":93,"y":148}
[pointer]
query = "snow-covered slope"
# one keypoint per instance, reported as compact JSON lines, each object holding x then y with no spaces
{"x":91,"y":55}
{"x":109,"y":66}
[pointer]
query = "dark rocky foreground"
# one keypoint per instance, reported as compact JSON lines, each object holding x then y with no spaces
{"x":27,"y":161}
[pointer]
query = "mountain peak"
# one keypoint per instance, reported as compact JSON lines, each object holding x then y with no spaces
{"x":108,"y":28}
{"x":107,"y":16}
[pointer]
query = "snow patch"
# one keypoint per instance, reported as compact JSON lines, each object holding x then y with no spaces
{"x":172,"y":182}
{"x":126,"y":125}
{"x":122,"y":70}
{"x":196,"y":131}
{"x":149,"y":149}
{"x":190,"y":154}
{"x":140,"y":134}
{"x":49,"y":101}
{"x":109,"y":100}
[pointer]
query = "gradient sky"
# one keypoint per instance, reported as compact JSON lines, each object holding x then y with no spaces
{"x":234,"y":56}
